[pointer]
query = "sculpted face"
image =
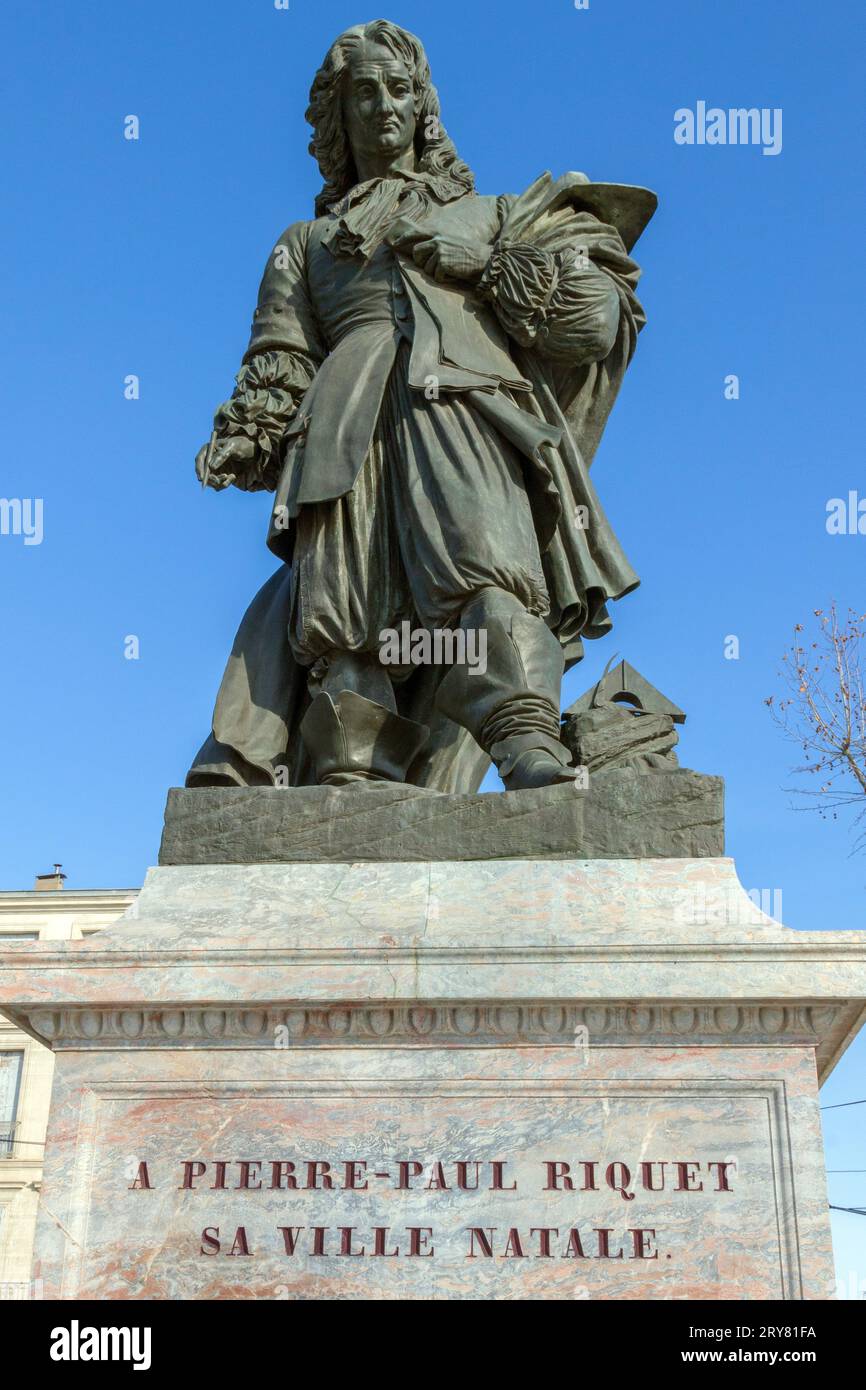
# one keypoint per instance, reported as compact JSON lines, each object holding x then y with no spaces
{"x":378,"y":108}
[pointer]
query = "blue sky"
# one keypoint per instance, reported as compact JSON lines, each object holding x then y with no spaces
{"x":144,"y":257}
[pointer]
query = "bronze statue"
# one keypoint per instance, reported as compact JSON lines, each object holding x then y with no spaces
{"x":428,"y":376}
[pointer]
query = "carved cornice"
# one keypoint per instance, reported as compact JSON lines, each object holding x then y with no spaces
{"x":485,"y":1023}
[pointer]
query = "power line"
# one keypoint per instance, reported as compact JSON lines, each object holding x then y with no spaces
{"x":843,"y":1104}
{"x":855,"y":1211}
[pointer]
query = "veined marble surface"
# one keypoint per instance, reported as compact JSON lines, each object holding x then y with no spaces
{"x":680,"y":938}
{"x":641,"y":1026}
{"x":377,"y":1123}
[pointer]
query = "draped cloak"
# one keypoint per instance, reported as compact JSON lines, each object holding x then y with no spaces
{"x":340,"y":312}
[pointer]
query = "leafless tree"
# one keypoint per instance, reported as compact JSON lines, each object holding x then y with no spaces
{"x":824,"y":710}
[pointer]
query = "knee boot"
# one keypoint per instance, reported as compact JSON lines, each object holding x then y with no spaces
{"x":511,"y":708}
{"x":352,"y":739}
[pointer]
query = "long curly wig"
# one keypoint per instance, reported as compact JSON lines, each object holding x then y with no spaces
{"x":435,"y":153}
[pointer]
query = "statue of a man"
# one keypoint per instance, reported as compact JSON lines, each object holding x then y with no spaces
{"x":428,"y":376}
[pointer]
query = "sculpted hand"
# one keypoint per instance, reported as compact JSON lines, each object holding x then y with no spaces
{"x":443,"y":255}
{"x":227,"y":460}
{"x":449,"y":256}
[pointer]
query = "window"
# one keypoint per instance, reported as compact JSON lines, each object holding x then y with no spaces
{"x":18,"y":936}
{"x":10,"y":1084}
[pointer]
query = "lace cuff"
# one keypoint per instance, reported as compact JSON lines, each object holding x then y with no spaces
{"x":267,"y":391}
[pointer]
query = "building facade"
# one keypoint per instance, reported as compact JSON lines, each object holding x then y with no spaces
{"x":47,"y":913}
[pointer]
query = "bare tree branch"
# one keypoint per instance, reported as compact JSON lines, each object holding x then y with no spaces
{"x":824,"y":712}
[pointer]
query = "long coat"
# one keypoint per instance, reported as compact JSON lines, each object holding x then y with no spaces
{"x":535,"y":354}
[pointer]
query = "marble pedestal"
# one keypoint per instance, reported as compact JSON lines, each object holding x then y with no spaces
{"x":511,"y":1079}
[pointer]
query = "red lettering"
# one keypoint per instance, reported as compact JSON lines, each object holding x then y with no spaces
{"x":240,"y":1246}
{"x":574,"y":1249}
{"x":642,"y":1243}
{"x":219,"y":1181}
{"x":556,"y":1173}
{"x":418,"y":1238}
{"x":380,"y":1235}
{"x":514,"y":1246}
{"x":685,"y":1178}
{"x":722,"y":1175}
{"x":210,"y":1239}
{"x":437,"y":1179}
{"x":497,"y":1184}
{"x":589,"y":1175}
{"x":280,"y":1171}
{"x":141,"y":1179}
{"x":485,"y":1240}
{"x":354,"y":1170}
{"x":346,"y":1233}
{"x":544,"y":1233}
{"x":620,"y":1184}
{"x":290,"y":1237}
{"x":604,"y":1245}
{"x":317,"y":1170}
{"x":407,"y":1171}
{"x":646,"y":1176}
{"x":462,"y":1177}
{"x":191,"y":1171}
{"x":245,"y":1181}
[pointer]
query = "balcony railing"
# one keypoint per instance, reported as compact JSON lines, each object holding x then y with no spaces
{"x":7,"y":1138}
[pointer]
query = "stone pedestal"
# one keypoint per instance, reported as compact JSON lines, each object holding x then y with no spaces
{"x":622,"y":814}
{"x":513,"y":1079}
